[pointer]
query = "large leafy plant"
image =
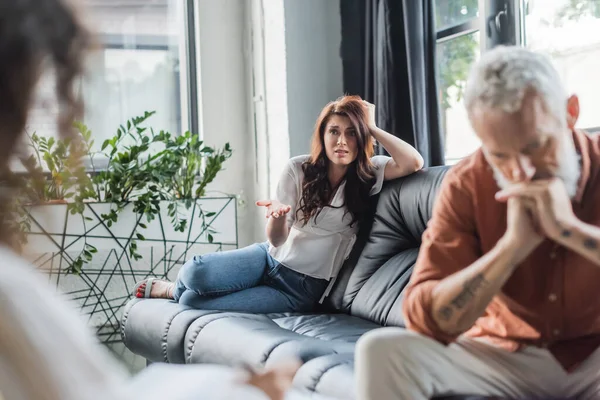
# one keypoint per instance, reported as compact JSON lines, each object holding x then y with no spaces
{"x":131,"y":176}
{"x":143,"y":168}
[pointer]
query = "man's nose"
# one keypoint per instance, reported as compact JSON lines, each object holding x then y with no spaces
{"x":522,"y":169}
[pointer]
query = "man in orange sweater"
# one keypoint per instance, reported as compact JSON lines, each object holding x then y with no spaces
{"x":504,"y":299}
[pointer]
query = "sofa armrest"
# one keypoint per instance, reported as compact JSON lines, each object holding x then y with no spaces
{"x":155,"y":328}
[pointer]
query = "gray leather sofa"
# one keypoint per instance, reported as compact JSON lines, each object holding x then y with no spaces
{"x":367,"y":295}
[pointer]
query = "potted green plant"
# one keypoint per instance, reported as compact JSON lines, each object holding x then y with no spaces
{"x":137,"y":216}
{"x":146,"y":173}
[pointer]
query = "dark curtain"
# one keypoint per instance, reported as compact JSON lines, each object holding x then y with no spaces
{"x":388,"y":57}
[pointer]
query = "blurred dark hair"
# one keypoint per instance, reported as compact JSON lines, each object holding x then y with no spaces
{"x":36,"y":36}
{"x":360,"y":176}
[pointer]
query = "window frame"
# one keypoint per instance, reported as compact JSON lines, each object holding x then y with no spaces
{"x":451,"y":32}
{"x":499,"y":22}
{"x":454,"y":31}
{"x":191,"y":78}
{"x":521,"y":40}
{"x":188,"y":76}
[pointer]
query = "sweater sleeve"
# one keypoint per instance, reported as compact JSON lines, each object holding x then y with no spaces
{"x":46,"y":349}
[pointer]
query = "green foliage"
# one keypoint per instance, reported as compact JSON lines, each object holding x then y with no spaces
{"x":15,"y":220}
{"x":454,"y":58}
{"x":56,"y":174}
{"x":129,"y":161}
{"x":575,"y":10}
{"x":451,"y":12}
{"x":188,"y":167}
{"x":57,"y":171}
{"x":130,"y":175}
{"x":192,"y":165}
{"x":143,"y":169}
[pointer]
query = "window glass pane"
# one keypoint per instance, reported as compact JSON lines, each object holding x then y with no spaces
{"x":453,"y":12}
{"x":137,"y":69}
{"x":567,"y":30}
{"x":454,"y":59}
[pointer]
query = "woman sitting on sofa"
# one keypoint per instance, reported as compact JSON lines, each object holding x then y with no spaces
{"x":313,"y":220}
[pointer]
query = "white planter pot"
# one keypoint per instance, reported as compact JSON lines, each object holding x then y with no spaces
{"x":106,"y":283}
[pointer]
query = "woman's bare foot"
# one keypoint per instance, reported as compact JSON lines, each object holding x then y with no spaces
{"x":160,"y":289}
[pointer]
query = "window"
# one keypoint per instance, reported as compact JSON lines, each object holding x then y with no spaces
{"x":458,"y":44}
{"x":567,"y":30}
{"x":450,"y":13}
{"x":141,"y":66}
{"x":564,"y":29}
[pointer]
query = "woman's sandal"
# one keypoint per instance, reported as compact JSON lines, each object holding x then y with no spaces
{"x":148,"y":289}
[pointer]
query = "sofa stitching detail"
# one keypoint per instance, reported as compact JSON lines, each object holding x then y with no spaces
{"x":165,"y":341}
{"x":165,"y":335}
{"x":325,"y":371}
{"x":195,"y":334}
{"x":188,"y":356}
{"x":266,"y":358}
{"x":193,"y":339}
{"x":124,"y":321}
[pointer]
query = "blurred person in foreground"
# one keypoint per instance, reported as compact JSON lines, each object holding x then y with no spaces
{"x":503,"y":300}
{"x":46,"y":351}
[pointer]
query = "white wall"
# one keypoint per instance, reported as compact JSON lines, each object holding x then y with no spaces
{"x":225,"y":100}
{"x":314,"y":67}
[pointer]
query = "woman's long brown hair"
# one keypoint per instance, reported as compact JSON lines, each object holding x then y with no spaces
{"x":35,"y":36}
{"x":360,"y":176}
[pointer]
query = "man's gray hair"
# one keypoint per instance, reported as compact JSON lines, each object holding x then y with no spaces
{"x":505,"y":74}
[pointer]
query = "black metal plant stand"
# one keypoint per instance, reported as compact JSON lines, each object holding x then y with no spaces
{"x":105,"y":285}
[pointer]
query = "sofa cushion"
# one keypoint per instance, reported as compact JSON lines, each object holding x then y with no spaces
{"x":157,"y":328}
{"x":326,"y":326}
{"x":331,"y":375}
{"x":382,"y":271}
{"x":236,"y":338}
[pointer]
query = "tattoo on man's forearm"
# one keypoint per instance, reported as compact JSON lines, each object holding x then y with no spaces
{"x":446,"y":313}
{"x":566,"y":233}
{"x":470,"y":288}
{"x":590,"y":244}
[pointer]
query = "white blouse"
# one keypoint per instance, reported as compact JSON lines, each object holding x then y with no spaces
{"x":320,"y":247}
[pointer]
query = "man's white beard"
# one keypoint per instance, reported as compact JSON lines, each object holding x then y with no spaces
{"x":569,"y":170}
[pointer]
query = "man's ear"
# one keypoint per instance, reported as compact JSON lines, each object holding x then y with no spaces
{"x":572,"y":111}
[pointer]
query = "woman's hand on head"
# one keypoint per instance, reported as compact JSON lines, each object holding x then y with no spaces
{"x":274,"y":208}
{"x":370,"y":114}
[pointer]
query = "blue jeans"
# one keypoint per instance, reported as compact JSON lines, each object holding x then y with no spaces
{"x":246,"y":280}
